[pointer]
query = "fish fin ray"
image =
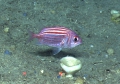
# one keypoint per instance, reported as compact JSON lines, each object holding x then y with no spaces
{"x":56,"y":50}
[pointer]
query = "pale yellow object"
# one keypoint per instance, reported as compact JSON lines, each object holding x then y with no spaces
{"x":110,"y":51}
{"x":6,"y":30}
{"x":115,"y":16}
{"x":70,"y":65}
{"x":12,"y":47}
{"x":79,"y":80}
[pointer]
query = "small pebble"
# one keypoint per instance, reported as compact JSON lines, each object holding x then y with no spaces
{"x":110,"y":51}
{"x":42,"y":71}
{"x":24,"y":73}
{"x":58,"y":76}
{"x":24,"y":14}
{"x":7,"y":52}
{"x":61,"y":73}
{"x":91,"y":46}
{"x":12,"y":47}
{"x":79,"y":80}
{"x":6,"y":30}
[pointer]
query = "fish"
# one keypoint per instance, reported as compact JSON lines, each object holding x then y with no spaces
{"x":58,"y":38}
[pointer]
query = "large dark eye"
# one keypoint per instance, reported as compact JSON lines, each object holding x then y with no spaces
{"x":75,"y":39}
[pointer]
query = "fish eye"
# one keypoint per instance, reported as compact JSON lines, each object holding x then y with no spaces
{"x":75,"y":39}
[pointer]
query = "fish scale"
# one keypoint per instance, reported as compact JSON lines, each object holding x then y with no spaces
{"x":52,"y":39}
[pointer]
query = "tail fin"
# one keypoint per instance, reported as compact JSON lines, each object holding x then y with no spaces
{"x":31,"y":36}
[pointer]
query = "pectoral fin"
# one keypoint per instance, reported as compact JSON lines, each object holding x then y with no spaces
{"x":56,"y":50}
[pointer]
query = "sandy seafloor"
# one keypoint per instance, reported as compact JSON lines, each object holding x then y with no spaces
{"x":90,"y":19}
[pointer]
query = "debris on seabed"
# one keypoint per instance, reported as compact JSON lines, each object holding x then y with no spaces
{"x":7,"y":52}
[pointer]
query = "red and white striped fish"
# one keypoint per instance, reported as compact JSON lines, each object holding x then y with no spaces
{"x":57,"y":37}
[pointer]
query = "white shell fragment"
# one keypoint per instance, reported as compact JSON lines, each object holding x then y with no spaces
{"x":115,"y":13}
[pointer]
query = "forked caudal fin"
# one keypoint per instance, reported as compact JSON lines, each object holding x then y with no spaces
{"x":31,"y":36}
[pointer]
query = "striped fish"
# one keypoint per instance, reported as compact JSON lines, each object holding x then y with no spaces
{"x":57,"y":37}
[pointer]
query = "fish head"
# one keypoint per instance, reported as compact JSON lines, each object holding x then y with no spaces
{"x":75,"y":41}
